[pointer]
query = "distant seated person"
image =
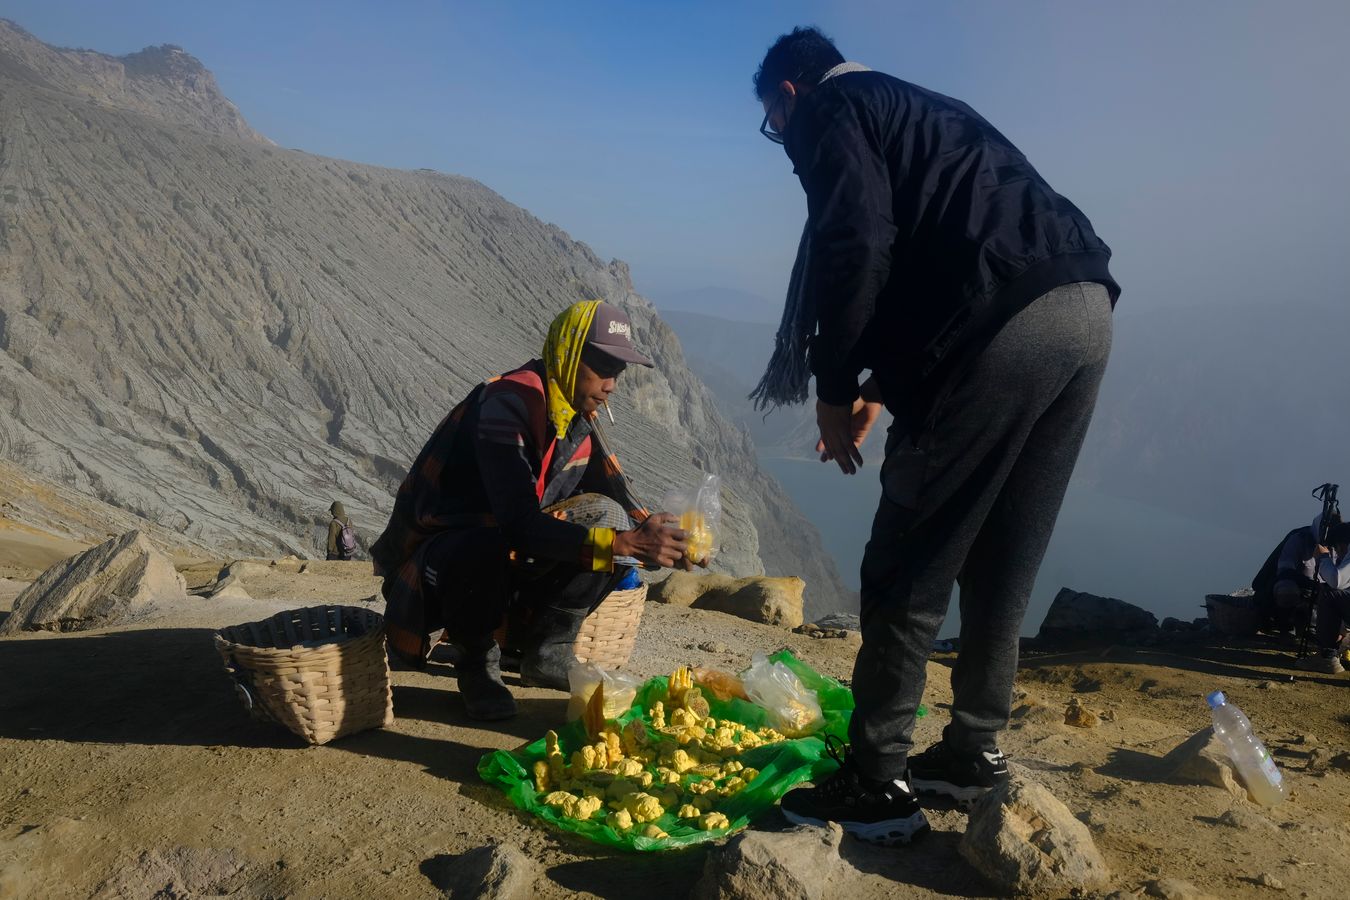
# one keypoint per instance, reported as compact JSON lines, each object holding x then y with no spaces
{"x":341,"y":533}
{"x":1333,"y":602}
{"x":517,"y":502}
{"x":1284,"y":582}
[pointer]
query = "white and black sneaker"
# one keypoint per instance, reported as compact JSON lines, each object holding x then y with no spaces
{"x":940,"y":771}
{"x":879,"y":812}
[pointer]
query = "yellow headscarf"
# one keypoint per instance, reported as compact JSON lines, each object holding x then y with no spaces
{"x":562,"y":356}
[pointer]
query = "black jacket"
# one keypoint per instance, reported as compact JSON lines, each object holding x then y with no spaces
{"x":929,"y":231}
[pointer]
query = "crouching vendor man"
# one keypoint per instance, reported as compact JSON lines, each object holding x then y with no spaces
{"x":516,"y":501}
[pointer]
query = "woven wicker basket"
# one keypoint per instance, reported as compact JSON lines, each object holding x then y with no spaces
{"x":1236,"y":616}
{"x":320,"y":671}
{"x":606,"y":637}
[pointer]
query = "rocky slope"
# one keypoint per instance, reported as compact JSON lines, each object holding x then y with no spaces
{"x":222,"y":336}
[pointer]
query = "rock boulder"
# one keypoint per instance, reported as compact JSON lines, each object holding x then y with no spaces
{"x":791,"y":865}
{"x":1202,"y":759}
{"x":117,"y":581}
{"x":1025,"y":841}
{"x":493,"y":872}
{"x":1076,"y":618}
{"x":774,"y":601}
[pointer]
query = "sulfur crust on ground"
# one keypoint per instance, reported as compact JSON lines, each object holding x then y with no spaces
{"x":126,"y":742}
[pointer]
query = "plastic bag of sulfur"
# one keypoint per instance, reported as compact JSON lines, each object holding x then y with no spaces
{"x":584,"y":678}
{"x":792,"y":706}
{"x":700,"y":512}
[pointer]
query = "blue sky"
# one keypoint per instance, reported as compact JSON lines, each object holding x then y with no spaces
{"x":1205,"y":140}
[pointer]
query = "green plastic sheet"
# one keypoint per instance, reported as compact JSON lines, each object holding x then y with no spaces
{"x":781,"y":766}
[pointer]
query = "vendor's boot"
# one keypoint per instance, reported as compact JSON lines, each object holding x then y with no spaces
{"x":549,"y":650}
{"x":479,"y":674}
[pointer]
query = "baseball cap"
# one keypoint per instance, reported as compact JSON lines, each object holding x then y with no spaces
{"x":612,"y":334}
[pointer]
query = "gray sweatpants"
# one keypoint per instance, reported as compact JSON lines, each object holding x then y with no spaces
{"x":973,"y":497}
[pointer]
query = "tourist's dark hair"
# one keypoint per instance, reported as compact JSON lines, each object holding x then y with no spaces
{"x":802,"y":57}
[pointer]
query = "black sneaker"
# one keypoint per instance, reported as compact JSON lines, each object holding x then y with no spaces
{"x":879,"y":812}
{"x":939,"y":771}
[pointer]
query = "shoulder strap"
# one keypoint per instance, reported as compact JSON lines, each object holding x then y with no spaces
{"x":541,"y":483}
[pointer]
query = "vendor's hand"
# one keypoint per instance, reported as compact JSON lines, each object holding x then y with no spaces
{"x":688,"y":565}
{"x":1321,"y":551}
{"x":655,"y":542}
{"x":843,"y":430}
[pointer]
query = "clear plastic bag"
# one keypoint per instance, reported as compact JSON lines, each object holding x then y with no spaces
{"x":722,"y":685}
{"x":700,"y":512}
{"x":793,"y":707}
{"x":620,"y":689}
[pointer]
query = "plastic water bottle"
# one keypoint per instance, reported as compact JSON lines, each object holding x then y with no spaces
{"x":1259,"y":772}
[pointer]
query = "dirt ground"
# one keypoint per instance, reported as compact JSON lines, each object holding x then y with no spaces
{"x":128,"y":767}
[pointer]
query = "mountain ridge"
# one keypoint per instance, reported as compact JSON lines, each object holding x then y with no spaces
{"x":164,"y":81}
{"x":222,"y":335}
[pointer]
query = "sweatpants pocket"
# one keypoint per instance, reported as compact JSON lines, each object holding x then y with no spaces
{"x":902,"y":475}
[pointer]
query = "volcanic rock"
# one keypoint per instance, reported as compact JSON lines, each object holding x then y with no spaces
{"x":774,"y":601}
{"x":117,"y":581}
{"x":1076,"y":618}
{"x":1025,"y":841}
{"x":789,"y":865}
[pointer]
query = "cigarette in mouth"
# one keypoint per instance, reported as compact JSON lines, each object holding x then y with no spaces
{"x":609,"y":412}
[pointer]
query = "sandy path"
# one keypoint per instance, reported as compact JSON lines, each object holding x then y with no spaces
{"x":125,"y":761}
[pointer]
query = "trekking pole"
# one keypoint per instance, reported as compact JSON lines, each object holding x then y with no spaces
{"x":1330,"y":507}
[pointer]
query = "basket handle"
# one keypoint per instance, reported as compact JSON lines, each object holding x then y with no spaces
{"x":244,"y":689}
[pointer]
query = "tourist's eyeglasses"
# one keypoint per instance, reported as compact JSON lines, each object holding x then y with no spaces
{"x":766,"y":129}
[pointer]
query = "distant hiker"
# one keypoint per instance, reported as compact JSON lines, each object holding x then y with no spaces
{"x":1333,"y":602}
{"x":936,"y":257}
{"x":1283,"y":584}
{"x":517,"y":497}
{"x":341,"y":533}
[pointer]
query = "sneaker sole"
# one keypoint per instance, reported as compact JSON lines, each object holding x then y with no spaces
{"x":887,"y":833}
{"x":966,"y":796}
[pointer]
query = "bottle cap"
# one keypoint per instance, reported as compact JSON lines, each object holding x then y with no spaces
{"x":1216,"y":699}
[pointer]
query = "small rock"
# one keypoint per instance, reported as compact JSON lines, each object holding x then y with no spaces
{"x":1078,"y":715}
{"x":713,"y":647}
{"x":1319,"y":761}
{"x":494,"y":872}
{"x":846,"y":621}
{"x":230,"y":588}
{"x":1270,"y":881}
{"x":1307,"y":740}
{"x":1173,"y":889}
{"x":1238,"y":817}
{"x":1023,"y":840}
{"x":1034,"y":713}
{"x":1266,"y":685}
{"x":794,"y":865}
{"x":1108,"y":715}
{"x":1201,"y":759}
{"x":1094,"y":820}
